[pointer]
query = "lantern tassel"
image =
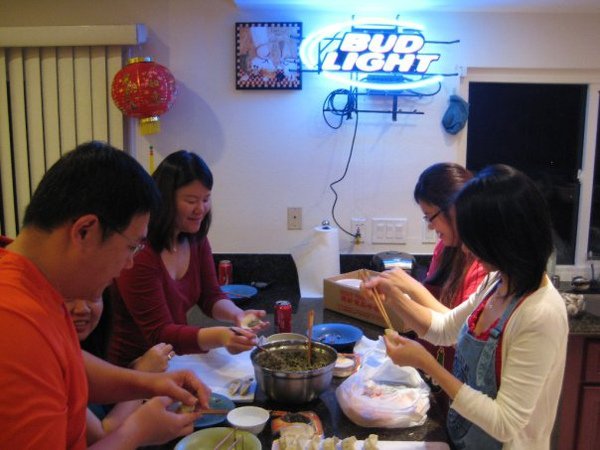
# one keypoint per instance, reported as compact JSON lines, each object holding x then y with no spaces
{"x":151,"y":160}
{"x":150,"y":125}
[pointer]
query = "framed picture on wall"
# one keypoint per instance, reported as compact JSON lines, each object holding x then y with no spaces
{"x":267,"y":55}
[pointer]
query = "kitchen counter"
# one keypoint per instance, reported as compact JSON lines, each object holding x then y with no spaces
{"x":584,"y":324}
{"x":326,"y":406}
{"x":334,"y":421}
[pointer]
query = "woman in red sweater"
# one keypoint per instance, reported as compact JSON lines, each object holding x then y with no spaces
{"x":453,"y":275}
{"x":174,"y":272}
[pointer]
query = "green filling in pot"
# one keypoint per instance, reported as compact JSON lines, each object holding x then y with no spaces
{"x":292,"y":360}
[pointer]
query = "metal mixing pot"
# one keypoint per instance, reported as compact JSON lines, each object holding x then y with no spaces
{"x":299,"y":386}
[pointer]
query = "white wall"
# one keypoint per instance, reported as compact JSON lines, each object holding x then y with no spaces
{"x":272,"y":149}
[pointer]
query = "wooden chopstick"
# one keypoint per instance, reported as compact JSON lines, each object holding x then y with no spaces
{"x":378,"y":302}
{"x":225,"y":439}
{"x":213,"y":411}
{"x":311,"y":321}
{"x":233,"y":444}
{"x":233,"y":294}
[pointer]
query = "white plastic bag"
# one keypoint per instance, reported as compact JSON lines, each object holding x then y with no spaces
{"x":387,"y":396}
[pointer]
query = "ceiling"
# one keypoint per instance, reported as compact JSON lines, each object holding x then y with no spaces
{"x":372,"y":6}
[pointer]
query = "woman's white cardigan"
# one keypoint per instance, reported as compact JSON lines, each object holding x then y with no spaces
{"x":534,"y":347}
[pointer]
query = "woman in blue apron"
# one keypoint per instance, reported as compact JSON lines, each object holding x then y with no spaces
{"x":510,"y":335}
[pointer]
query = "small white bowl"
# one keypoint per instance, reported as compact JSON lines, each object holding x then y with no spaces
{"x":248,"y":418}
{"x":286,"y":337}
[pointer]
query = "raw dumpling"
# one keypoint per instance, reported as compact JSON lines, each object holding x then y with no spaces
{"x":371,"y":442}
{"x":349,"y":443}
{"x":289,"y":443}
{"x":330,"y":443}
{"x":314,"y":443}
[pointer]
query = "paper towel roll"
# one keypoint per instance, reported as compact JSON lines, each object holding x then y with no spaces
{"x":316,"y":258}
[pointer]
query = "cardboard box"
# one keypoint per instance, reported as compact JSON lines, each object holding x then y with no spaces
{"x":346,"y":299}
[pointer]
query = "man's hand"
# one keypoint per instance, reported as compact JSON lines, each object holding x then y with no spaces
{"x":182,"y":385}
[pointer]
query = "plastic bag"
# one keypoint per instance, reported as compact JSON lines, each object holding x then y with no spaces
{"x":387,"y":396}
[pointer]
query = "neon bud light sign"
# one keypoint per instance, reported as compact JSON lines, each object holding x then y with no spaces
{"x":385,"y":47}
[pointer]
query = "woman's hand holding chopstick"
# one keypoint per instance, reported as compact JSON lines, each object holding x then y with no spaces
{"x":397,"y":289}
{"x":374,"y":294}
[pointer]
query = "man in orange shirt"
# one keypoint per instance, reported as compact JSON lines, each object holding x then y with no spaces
{"x":85,"y":222}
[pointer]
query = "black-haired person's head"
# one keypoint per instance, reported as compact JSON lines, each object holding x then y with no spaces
{"x":94,"y":178}
{"x":177,"y":170}
{"x":503,"y":219}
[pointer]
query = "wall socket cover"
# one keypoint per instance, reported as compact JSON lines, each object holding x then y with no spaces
{"x":294,"y":218}
{"x":358,"y":222}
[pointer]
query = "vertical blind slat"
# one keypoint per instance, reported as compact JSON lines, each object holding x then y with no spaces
{"x":50,"y":105}
{"x":99,"y":100}
{"x":114,"y":62}
{"x":35,"y":126}
{"x":83,"y":94}
{"x":19,"y":130}
{"x":66,"y":99}
{"x":6,"y":162}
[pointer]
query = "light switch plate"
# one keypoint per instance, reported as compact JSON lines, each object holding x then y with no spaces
{"x":389,"y":230}
{"x":294,"y":218}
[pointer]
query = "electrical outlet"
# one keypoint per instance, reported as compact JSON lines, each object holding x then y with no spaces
{"x":359,"y":224}
{"x":294,"y":218}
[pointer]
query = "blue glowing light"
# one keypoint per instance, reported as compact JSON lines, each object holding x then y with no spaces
{"x":327,"y":40}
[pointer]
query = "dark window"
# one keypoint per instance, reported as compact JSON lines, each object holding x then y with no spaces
{"x":537,"y":128}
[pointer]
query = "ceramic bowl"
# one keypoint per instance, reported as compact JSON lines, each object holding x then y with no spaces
{"x":287,"y":337}
{"x":340,"y":336}
{"x":248,"y":418}
{"x":209,"y":438}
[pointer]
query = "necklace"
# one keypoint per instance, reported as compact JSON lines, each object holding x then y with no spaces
{"x":493,"y":301}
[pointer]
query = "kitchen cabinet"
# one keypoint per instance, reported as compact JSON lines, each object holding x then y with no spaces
{"x":579,"y":412}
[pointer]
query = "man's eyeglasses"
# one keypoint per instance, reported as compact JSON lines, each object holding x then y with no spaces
{"x":134,"y":246}
{"x":430,"y":219}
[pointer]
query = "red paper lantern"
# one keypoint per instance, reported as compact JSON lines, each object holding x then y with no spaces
{"x":145,"y":90}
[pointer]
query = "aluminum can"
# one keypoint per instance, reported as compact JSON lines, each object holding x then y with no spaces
{"x":283,"y":316}
{"x":225,"y":272}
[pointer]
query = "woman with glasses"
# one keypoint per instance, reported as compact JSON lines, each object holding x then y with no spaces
{"x":510,"y":336}
{"x":174,"y":272}
{"x":453,"y":275}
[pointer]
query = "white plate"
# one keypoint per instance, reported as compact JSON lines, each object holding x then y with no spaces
{"x":393,"y":445}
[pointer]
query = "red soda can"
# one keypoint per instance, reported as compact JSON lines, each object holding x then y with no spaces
{"x":283,"y":316}
{"x":225,"y":272}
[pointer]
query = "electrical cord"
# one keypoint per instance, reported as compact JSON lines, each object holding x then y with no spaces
{"x":348,"y":108}
{"x":354,"y":235}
